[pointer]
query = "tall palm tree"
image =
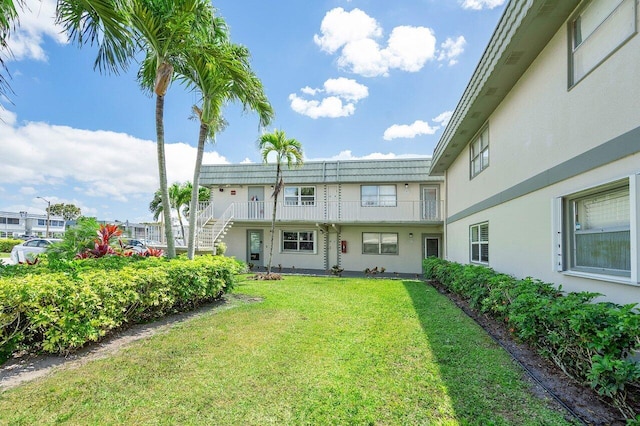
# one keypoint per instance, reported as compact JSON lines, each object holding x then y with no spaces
{"x":166,"y":30}
{"x":284,"y":149}
{"x":221,"y":73}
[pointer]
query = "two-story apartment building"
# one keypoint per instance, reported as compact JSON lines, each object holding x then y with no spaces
{"x":16,"y":224}
{"x":354,"y":214}
{"x":541,"y":157}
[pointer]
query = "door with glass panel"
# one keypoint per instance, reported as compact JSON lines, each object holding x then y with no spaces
{"x":431,"y":246}
{"x":255,"y":247}
{"x":430,"y":203}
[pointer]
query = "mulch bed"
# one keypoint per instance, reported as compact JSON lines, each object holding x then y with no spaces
{"x":582,"y":401}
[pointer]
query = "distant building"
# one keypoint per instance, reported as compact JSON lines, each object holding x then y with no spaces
{"x":21,"y":224}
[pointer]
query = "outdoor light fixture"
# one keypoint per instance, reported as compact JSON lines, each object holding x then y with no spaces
{"x":410,"y":234}
{"x":406,"y":186}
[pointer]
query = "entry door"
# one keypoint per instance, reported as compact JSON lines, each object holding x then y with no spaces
{"x":430,"y":210}
{"x":431,"y":247}
{"x":256,"y":202}
{"x":255,"y":247}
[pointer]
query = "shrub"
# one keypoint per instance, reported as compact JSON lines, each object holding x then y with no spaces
{"x":61,"y":311}
{"x":6,"y":244}
{"x":590,"y":342}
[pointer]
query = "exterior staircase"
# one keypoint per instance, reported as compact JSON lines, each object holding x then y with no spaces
{"x":209,"y":231}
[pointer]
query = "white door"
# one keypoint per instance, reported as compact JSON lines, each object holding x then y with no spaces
{"x":430,"y":207}
{"x":332,"y":206}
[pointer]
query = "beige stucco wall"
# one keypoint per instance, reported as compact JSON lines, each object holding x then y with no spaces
{"x":540,"y":124}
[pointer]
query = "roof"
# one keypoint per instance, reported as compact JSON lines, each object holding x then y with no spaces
{"x":398,"y":170}
{"x":523,"y":31}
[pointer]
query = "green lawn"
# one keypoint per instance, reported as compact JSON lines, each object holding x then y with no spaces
{"x":5,"y":255}
{"x":315,"y":351}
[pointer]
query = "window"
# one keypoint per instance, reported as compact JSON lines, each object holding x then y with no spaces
{"x":378,"y":195}
{"x":598,"y":229}
{"x":13,"y":221}
{"x":379,"y":243}
{"x":480,"y":152}
{"x":479,"y":241}
{"x":596,"y":32}
{"x":298,"y":241}
{"x":299,"y":196}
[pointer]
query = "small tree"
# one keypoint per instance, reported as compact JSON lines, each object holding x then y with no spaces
{"x":67,"y":211}
{"x":284,"y":149}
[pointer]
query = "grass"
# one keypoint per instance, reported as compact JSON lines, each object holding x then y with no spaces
{"x":314,"y":351}
{"x":5,"y":255}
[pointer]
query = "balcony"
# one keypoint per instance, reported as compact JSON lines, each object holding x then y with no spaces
{"x":341,"y":212}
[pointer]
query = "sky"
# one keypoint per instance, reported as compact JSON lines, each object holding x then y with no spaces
{"x":349,"y":79}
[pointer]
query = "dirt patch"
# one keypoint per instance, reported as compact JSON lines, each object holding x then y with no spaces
{"x":548,"y":380}
{"x":25,"y":367}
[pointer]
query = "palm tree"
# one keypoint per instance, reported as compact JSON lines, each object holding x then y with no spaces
{"x":222,"y":75}
{"x":284,"y":149}
{"x":179,"y":200}
{"x":166,"y":31}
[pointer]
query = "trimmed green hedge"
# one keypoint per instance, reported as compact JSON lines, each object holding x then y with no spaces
{"x":591,"y":342}
{"x":60,"y":311}
{"x":6,"y":244}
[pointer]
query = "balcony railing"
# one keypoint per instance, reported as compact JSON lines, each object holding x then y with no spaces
{"x":341,"y":211}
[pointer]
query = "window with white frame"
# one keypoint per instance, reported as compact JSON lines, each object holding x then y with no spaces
{"x":299,"y":196}
{"x":479,"y":242}
{"x":379,"y":243}
{"x":479,"y":152}
{"x":597,"y":224}
{"x":299,"y":241}
{"x":597,"y":30}
{"x":378,"y":195}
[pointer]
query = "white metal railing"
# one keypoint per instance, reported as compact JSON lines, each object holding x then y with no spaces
{"x":221,"y":224}
{"x":341,"y":211}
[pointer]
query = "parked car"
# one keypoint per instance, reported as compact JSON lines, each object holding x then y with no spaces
{"x":31,"y":248}
{"x":134,"y":244}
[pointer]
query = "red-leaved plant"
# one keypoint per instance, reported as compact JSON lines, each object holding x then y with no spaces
{"x":103,"y":247}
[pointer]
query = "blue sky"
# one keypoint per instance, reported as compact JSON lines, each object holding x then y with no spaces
{"x":348,"y":79}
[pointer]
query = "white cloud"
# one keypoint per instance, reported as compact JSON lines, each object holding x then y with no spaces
{"x":451,"y":49}
{"x":344,"y":94}
{"x":37,"y":20}
{"x":408,"y":48}
{"x":410,"y":131}
{"x":347,"y":155}
{"x":339,"y":28}
{"x":331,"y":107}
{"x":443,"y":119}
{"x":98,"y":163}
{"x":481,"y":4}
{"x":247,"y":160}
{"x":28,"y":190}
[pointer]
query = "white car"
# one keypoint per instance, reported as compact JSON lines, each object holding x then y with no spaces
{"x":31,"y":248}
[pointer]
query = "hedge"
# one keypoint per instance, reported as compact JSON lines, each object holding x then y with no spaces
{"x":57,"y":312}
{"x":6,"y":244}
{"x":591,"y":342}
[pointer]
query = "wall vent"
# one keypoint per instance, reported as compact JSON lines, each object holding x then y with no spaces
{"x":514,"y":57}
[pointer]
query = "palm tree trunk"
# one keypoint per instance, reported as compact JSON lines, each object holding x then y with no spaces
{"x":273,"y":216}
{"x":195,"y":193}
{"x":162,"y":171}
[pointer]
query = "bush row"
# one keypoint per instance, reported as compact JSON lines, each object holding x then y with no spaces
{"x":6,"y":244}
{"x":591,"y":342}
{"x":60,"y":311}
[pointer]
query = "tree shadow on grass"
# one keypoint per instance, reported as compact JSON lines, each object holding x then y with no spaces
{"x":483,"y":383}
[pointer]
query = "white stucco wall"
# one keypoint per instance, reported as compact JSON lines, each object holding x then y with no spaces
{"x":540,"y":124}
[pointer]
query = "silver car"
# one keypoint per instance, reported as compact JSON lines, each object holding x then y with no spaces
{"x":31,"y":248}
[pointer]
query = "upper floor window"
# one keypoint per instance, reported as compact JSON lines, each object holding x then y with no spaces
{"x":378,"y":195}
{"x":299,"y":196}
{"x":598,"y":224}
{"x":479,"y":240}
{"x":598,"y":29}
{"x":298,"y":241}
{"x":480,"y":152}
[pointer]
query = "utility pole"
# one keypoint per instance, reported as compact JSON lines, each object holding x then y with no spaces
{"x":48,"y":214}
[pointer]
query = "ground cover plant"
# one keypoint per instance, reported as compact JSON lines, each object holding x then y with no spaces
{"x":592,"y":343}
{"x":312,"y":351}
